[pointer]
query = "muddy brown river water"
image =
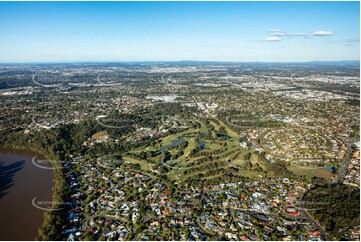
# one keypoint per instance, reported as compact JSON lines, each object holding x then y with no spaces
{"x":20,"y":183}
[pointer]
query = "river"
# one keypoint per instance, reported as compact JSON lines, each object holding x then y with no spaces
{"x":20,"y":182}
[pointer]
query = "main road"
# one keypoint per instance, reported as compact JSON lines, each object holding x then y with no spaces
{"x":345,"y":164}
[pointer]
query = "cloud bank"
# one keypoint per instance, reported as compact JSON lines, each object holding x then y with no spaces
{"x":273,"y":38}
{"x":278,"y":34}
{"x":322,"y":33}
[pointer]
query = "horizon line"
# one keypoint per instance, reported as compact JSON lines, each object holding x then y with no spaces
{"x":164,"y":61}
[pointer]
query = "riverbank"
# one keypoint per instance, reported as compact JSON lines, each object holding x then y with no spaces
{"x":53,"y":219}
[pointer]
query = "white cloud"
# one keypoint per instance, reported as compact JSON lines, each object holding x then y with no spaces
{"x":273,"y":38}
{"x":322,"y":33}
{"x":277,"y":34}
{"x":274,"y":30}
{"x":282,"y":33}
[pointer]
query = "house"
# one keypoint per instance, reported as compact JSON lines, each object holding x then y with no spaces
{"x":231,"y":236}
{"x":296,"y":213}
{"x":244,"y":238}
{"x":314,"y":234}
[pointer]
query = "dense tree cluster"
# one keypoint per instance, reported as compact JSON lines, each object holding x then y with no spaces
{"x":334,"y":206}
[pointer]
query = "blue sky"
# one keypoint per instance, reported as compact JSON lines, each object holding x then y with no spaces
{"x":146,"y":31}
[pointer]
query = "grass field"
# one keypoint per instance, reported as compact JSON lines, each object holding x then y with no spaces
{"x":310,"y":172}
{"x":100,"y":135}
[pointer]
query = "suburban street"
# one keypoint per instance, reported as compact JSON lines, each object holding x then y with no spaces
{"x":344,"y":166}
{"x":318,"y":226}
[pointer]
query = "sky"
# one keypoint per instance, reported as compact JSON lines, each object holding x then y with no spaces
{"x":172,"y":31}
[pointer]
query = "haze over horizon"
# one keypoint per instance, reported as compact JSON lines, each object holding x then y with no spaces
{"x":177,"y":31}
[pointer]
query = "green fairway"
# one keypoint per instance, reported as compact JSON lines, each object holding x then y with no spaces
{"x":218,"y":155}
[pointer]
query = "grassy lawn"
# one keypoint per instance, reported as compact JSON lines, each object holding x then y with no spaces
{"x":238,"y":160}
{"x":191,"y":145}
{"x":230,"y":132}
{"x":151,"y":148}
{"x":143,"y":164}
{"x":100,"y":135}
{"x":212,"y":145}
{"x":310,"y":172}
